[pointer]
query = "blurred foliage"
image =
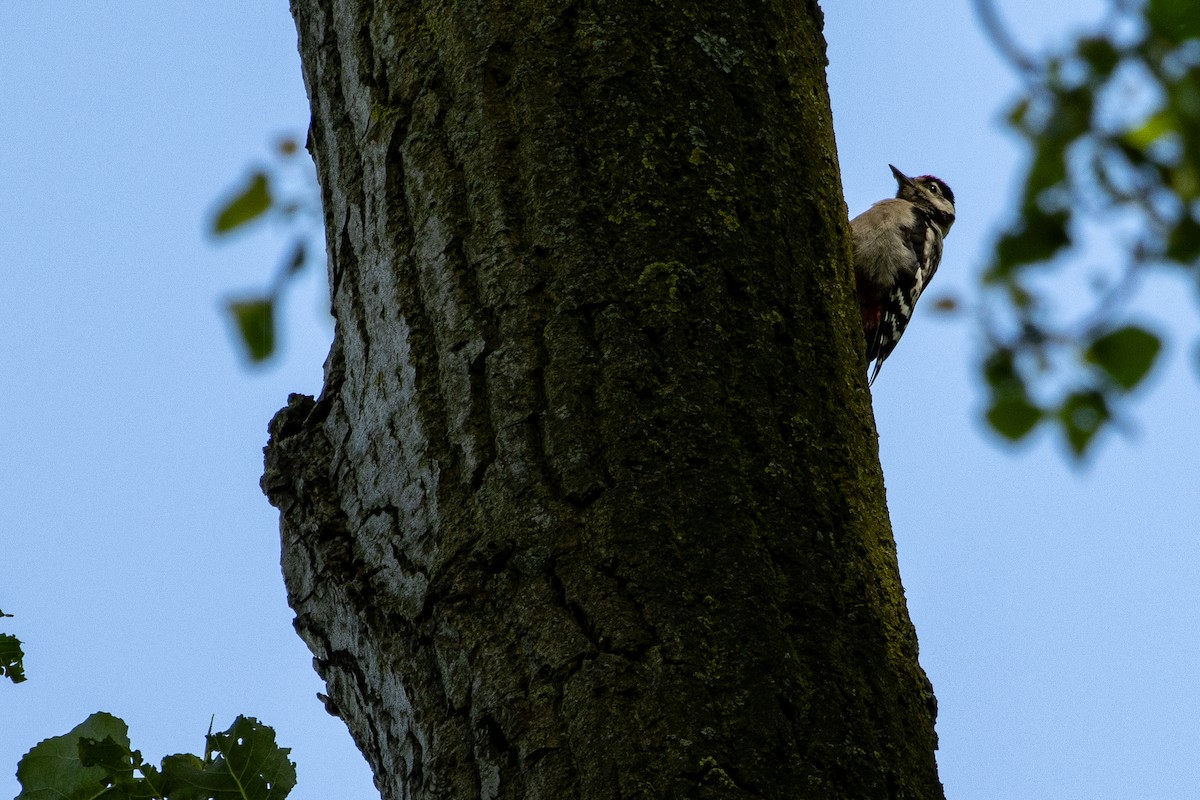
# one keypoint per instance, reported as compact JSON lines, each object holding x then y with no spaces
{"x":95,"y":759}
{"x":283,"y":193}
{"x":12,"y":657}
{"x":1112,"y":126}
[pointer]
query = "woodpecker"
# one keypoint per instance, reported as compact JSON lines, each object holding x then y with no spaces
{"x":897,"y":248}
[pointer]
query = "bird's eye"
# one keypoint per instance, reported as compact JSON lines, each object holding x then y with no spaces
{"x":933,"y":187}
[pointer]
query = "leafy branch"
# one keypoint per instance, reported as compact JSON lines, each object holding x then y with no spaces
{"x":285,"y":193}
{"x":1112,"y":125}
{"x":95,"y":759}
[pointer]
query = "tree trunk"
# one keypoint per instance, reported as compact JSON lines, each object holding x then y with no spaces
{"x":591,"y":506}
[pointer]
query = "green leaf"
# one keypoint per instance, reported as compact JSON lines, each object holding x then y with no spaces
{"x":246,"y":764}
{"x":1048,"y":168}
{"x":1018,"y":115}
{"x":1011,"y":413}
{"x":1154,"y":128}
{"x":255,"y":321}
{"x":1175,"y":20}
{"x":53,"y":770}
{"x":118,"y":763}
{"x":249,"y":204}
{"x":1038,"y":236}
{"x":1000,"y":372}
{"x":1183,"y":96}
{"x":12,"y":658}
{"x":1013,"y":416}
{"x":1070,"y":118}
{"x":1183,"y":181}
{"x":1100,"y":55}
{"x":1183,"y":244}
{"x":1082,"y":416}
{"x":1125,"y":355}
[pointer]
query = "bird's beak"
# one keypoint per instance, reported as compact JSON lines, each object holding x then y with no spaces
{"x":901,"y":178}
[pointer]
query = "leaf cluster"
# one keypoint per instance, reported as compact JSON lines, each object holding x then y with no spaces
{"x":95,"y":760}
{"x":12,"y":657}
{"x":1113,"y":130}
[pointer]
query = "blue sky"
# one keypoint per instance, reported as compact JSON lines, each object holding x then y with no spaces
{"x":1056,"y":607}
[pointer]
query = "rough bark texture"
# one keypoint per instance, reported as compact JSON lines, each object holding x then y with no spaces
{"x":590,"y":506}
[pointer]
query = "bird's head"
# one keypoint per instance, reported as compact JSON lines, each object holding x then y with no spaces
{"x":929,"y":192}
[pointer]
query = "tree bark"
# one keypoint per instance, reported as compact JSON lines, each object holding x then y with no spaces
{"x":591,"y":505}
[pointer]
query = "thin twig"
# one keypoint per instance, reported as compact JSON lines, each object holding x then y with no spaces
{"x":1001,"y":39}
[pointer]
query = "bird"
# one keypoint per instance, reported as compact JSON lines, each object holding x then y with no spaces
{"x":897,"y":250}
